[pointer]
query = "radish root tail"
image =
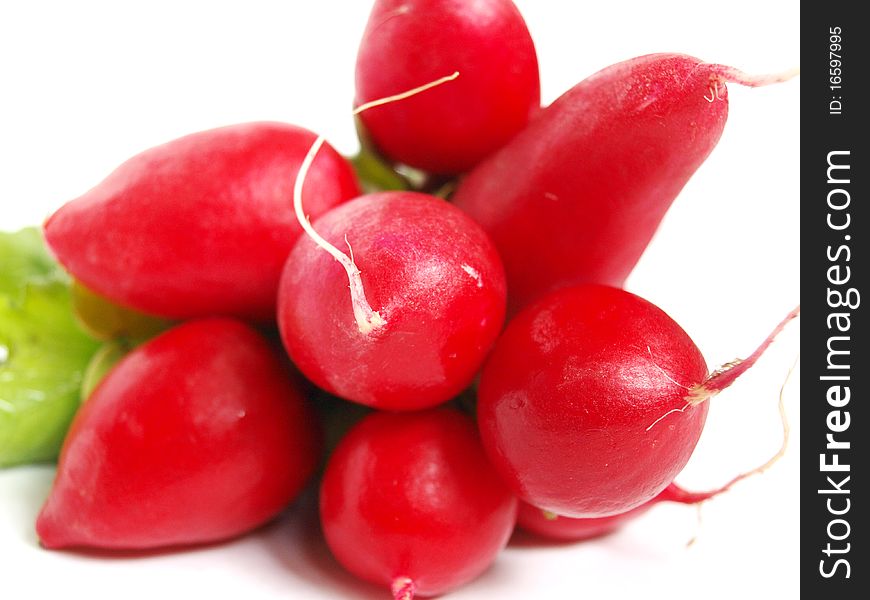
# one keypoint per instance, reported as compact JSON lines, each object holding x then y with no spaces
{"x":699,"y":525}
{"x":403,"y":588}
{"x":725,"y":375}
{"x":367,"y":320}
{"x":674,"y":493}
{"x":786,"y":433}
{"x":724,"y":74}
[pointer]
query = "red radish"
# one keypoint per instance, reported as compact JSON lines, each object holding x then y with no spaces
{"x":551,"y":526}
{"x":409,"y":501}
{"x":196,"y":436}
{"x":577,"y":195}
{"x":593,"y":400}
{"x":409,"y":42}
{"x":426,"y":302}
{"x":199,"y":226}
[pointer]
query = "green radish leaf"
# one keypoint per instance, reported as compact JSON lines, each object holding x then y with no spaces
{"x":23,"y":257}
{"x":375,"y":175}
{"x":43,"y":352}
{"x":109,"y":354}
{"x":103,"y":319}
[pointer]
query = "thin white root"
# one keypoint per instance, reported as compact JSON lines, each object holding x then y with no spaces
{"x":786,"y":430}
{"x":663,"y":372}
{"x":670,"y":412}
{"x":712,"y":97}
{"x":406,"y":94}
{"x":698,"y":525}
{"x":366,"y":318}
{"x":403,"y":588}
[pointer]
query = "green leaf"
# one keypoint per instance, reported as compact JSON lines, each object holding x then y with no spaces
{"x":43,"y":352}
{"x":103,"y":361}
{"x":375,"y":175}
{"x":24,"y":258}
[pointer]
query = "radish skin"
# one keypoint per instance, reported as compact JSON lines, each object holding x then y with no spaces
{"x":585,"y":404}
{"x":431,"y":277}
{"x":199,"y":226}
{"x":366,"y":318}
{"x":198,"y":435}
{"x":407,"y":42}
{"x":408,"y":501}
{"x":578,"y":194}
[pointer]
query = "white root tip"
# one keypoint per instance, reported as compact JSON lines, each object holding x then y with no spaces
{"x":367,"y":320}
{"x":370,"y":323}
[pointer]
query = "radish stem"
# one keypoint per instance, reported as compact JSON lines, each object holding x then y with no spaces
{"x":732,"y":75}
{"x":725,"y":375}
{"x":403,"y":588}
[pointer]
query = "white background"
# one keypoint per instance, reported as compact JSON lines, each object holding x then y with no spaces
{"x":84,"y":85}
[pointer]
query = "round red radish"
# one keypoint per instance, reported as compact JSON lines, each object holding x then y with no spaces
{"x":196,"y":436}
{"x":408,"y":43}
{"x":583,"y":405}
{"x":199,"y":226}
{"x":409,"y":501}
{"x":578,"y":194}
{"x":549,"y":525}
{"x":434,"y":282}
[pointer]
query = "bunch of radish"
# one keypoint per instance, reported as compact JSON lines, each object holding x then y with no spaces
{"x":270,"y":285}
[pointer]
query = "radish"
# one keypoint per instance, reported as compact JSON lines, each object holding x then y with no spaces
{"x":578,"y":194}
{"x":199,"y":226}
{"x":408,"y":42}
{"x":44,"y":353}
{"x":549,"y":525}
{"x":409,"y":501}
{"x":426,"y":301}
{"x":593,"y":399}
{"x":433,"y":274}
{"x":196,"y":436}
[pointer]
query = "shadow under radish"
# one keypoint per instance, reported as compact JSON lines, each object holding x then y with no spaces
{"x":297,"y":543}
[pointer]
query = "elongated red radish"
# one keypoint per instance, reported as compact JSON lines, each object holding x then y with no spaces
{"x":196,"y":436}
{"x":426,"y":303}
{"x":201,"y":225}
{"x":593,"y":400}
{"x":578,"y":194}
{"x":409,"y":501}
{"x":407,"y":42}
